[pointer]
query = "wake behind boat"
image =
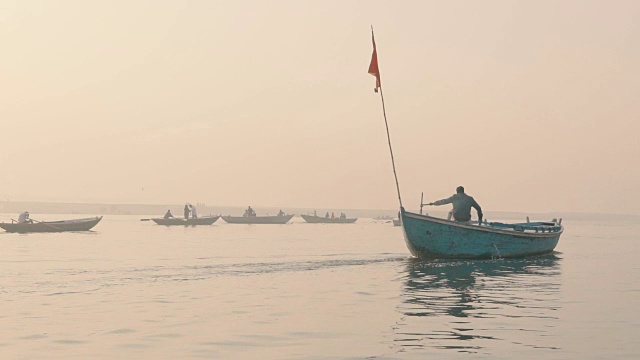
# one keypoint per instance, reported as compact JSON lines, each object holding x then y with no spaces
{"x":204,"y":220}
{"x":313,"y":219}
{"x":85,"y":224}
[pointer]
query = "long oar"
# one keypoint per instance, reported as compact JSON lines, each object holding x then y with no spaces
{"x":42,"y":222}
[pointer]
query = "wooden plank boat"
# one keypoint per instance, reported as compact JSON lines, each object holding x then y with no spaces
{"x":325,"y":220}
{"x":431,"y":237}
{"x":85,"y":224}
{"x":204,"y":220}
{"x":277,"y":219}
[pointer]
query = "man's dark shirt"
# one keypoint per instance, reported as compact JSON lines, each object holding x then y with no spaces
{"x":462,"y":204}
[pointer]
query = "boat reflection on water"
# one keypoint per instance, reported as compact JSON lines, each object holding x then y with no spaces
{"x":467,"y":306}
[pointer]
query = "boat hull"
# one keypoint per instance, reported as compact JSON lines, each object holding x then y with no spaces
{"x":257,"y":219}
{"x":324,"y":220}
{"x":429,"y":237}
{"x":205,"y":220}
{"x":52,"y":226}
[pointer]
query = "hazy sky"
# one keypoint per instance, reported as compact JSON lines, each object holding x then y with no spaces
{"x":531,"y":105}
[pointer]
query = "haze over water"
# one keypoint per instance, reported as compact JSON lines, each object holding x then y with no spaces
{"x":140,"y":290}
{"x":532,"y":106}
{"x":269,"y":104}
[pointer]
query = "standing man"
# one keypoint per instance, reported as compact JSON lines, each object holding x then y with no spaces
{"x":462,"y":204}
{"x":194,"y":213}
{"x":186,"y":211}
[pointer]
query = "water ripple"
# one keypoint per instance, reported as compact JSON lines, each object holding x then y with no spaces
{"x":517,"y":298}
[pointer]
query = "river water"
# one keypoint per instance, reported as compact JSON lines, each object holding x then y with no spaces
{"x":136,"y":290}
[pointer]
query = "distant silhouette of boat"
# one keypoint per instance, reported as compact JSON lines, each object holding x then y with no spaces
{"x":277,"y":219}
{"x":205,"y":220}
{"x":327,"y":220}
{"x":383,"y":217}
{"x":85,"y":224}
{"x":397,"y":222}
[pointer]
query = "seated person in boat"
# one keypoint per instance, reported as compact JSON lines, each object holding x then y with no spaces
{"x":23,"y":218}
{"x":326,"y":215}
{"x":249,"y":212}
{"x":343,"y":216}
{"x":281,"y":213}
{"x":462,"y":204}
{"x":168,"y":214}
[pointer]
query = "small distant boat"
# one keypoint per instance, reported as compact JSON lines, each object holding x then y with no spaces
{"x":205,"y":220}
{"x":85,"y":224}
{"x":430,"y":237}
{"x":325,"y":220}
{"x":277,"y":219}
{"x":383,"y":217}
{"x":397,"y":222}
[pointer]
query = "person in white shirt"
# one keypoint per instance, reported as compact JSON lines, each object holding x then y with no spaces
{"x":194,"y":213}
{"x":23,"y":218}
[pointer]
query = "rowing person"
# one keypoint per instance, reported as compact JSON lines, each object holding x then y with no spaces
{"x":23,"y":218}
{"x":462,"y":204}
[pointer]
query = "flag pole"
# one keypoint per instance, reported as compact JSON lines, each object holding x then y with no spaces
{"x":375,"y":71}
{"x":393,"y":163}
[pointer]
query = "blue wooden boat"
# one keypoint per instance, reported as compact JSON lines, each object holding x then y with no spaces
{"x":430,"y":237}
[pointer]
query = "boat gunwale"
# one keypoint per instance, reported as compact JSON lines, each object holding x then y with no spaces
{"x":288,"y":217}
{"x":482,"y":228}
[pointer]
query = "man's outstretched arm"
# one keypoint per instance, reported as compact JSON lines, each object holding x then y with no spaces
{"x":448,"y":200}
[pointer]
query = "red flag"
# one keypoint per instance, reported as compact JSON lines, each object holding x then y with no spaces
{"x":373,"y":67}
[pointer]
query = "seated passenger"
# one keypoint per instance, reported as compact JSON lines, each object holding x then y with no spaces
{"x":23,"y":218}
{"x":168,"y":214}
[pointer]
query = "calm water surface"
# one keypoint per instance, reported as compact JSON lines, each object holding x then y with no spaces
{"x":137,"y":290}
